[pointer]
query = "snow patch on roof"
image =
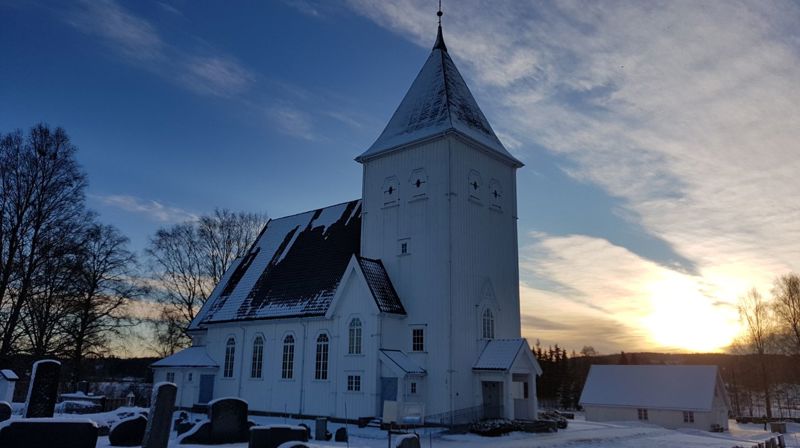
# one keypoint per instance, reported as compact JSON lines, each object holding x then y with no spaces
{"x":188,"y":357}
{"x":397,"y":359}
{"x":437,"y":102}
{"x":499,"y":354}
{"x":687,"y":388}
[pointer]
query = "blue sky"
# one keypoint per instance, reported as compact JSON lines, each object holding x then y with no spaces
{"x":660,"y":139}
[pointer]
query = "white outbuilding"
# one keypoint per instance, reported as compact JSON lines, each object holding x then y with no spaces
{"x":668,"y":396}
{"x":8,"y":381}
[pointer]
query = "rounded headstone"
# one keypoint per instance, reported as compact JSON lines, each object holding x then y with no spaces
{"x":341,"y":435}
{"x":408,"y":441}
{"x":43,"y":389}
{"x":5,"y":411}
{"x":128,"y":432}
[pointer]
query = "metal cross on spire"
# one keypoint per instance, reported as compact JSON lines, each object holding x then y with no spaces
{"x":440,"y":13}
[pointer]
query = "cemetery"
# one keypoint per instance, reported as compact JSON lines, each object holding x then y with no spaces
{"x":229,"y":422}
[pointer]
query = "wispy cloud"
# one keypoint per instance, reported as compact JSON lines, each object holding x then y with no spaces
{"x":154,"y":210}
{"x":292,"y":121}
{"x":685,"y":111}
{"x":137,"y":41}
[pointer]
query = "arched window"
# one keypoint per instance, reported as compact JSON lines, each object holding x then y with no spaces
{"x":321,"y":370}
{"x":287,"y":367}
{"x":230,"y":352}
{"x":488,"y":324}
{"x":354,"y":346}
{"x":258,"y":357}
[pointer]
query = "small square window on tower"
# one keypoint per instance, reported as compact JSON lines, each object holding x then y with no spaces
{"x":418,"y":339}
{"x":404,"y":246}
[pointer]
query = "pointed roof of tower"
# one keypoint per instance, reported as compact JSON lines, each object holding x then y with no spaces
{"x":437,"y":103}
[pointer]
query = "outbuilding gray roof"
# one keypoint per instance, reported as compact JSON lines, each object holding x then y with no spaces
{"x":687,"y":388}
{"x":438,"y":102}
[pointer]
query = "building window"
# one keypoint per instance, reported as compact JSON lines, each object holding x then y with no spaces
{"x":258,"y":357}
{"x":390,"y":193}
{"x":230,"y":352}
{"x":488,"y":324}
{"x":170,"y":377}
{"x":288,"y":357}
{"x":321,"y":368}
{"x":688,"y":417}
{"x":418,"y":340}
{"x":496,"y":194}
{"x":354,"y":383}
{"x":419,"y":183}
{"x":642,"y":414}
{"x":354,"y":345}
{"x":413,"y":388}
{"x":474,"y":184}
{"x":189,"y":378}
{"x":403,"y":246}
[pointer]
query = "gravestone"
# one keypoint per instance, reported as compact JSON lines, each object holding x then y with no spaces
{"x":408,"y":441}
{"x":5,"y":411}
{"x":43,"y":389}
{"x":321,"y":429}
{"x":273,"y":436}
{"x":48,"y":433}
{"x":128,"y":432}
{"x":229,"y":421}
{"x":308,"y":430}
{"x":162,"y":403}
{"x":341,"y":435}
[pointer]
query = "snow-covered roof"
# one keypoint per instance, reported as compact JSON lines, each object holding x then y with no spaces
{"x":188,"y":357}
{"x":438,"y":102}
{"x":688,"y":388}
{"x":397,"y":359}
{"x":499,"y":354}
{"x":9,"y":375}
{"x":381,"y":286}
{"x":292,"y":270}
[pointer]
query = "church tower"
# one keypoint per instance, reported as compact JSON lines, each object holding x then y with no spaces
{"x":440,"y":211}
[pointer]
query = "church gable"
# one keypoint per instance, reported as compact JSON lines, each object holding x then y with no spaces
{"x":293,"y":269}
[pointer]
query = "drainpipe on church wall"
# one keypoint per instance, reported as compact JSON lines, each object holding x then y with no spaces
{"x":450,"y":273}
{"x":303,"y":365}
{"x":241,"y":364}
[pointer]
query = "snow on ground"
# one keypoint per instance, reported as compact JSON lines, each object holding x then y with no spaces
{"x":580,"y":433}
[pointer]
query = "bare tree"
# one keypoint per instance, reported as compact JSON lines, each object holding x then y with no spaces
{"x":42,"y":194}
{"x":786,"y":300}
{"x":104,"y":286}
{"x":755,"y":313}
{"x":189,"y":259}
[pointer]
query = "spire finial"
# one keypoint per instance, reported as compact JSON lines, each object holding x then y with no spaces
{"x":439,"y":45}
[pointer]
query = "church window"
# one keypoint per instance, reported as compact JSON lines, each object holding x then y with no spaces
{"x":474,"y":185}
{"x":413,"y":388}
{"x":418,"y":339}
{"x":258,"y":358}
{"x":391,"y":193}
{"x":496,"y":194}
{"x":354,"y":344}
{"x":189,"y":378}
{"x":419,"y":183}
{"x":321,"y":368}
{"x":404,"y":246}
{"x":287,"y":367}
{"x":354,"y":383}
{"x":170,"y":377}
{"x":230,"y":352}
{"x":488,"y":324}
{"x":642,"y":414}
{"x":688,"y":417}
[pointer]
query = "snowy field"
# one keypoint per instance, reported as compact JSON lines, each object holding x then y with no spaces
{"x":580,"y":433}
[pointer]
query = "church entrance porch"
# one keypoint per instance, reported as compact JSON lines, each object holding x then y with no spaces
{"x":492,"y":399}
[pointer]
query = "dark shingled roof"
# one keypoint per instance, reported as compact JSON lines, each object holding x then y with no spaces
{"x":381,"y":286}
{"x":294,"y":269}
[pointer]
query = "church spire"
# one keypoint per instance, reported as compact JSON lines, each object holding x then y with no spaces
{"x":439,"y":45}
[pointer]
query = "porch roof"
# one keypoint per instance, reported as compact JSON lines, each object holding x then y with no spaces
{"x":399,"y":360}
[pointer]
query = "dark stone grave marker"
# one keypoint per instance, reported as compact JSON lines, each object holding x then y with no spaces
{"x":408,"y":441}
{"x":229,"y":421}
{"x":43,"y":389}
{"x":341,"y":435}
{"x":128,"y":432}
{"x":273,"y":436}
{"x":5,"y":411}
{"x":48,"y":433}
{"x":156,"y":434}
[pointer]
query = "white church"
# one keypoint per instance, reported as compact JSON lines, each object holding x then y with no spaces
{"x":406,"y":300}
